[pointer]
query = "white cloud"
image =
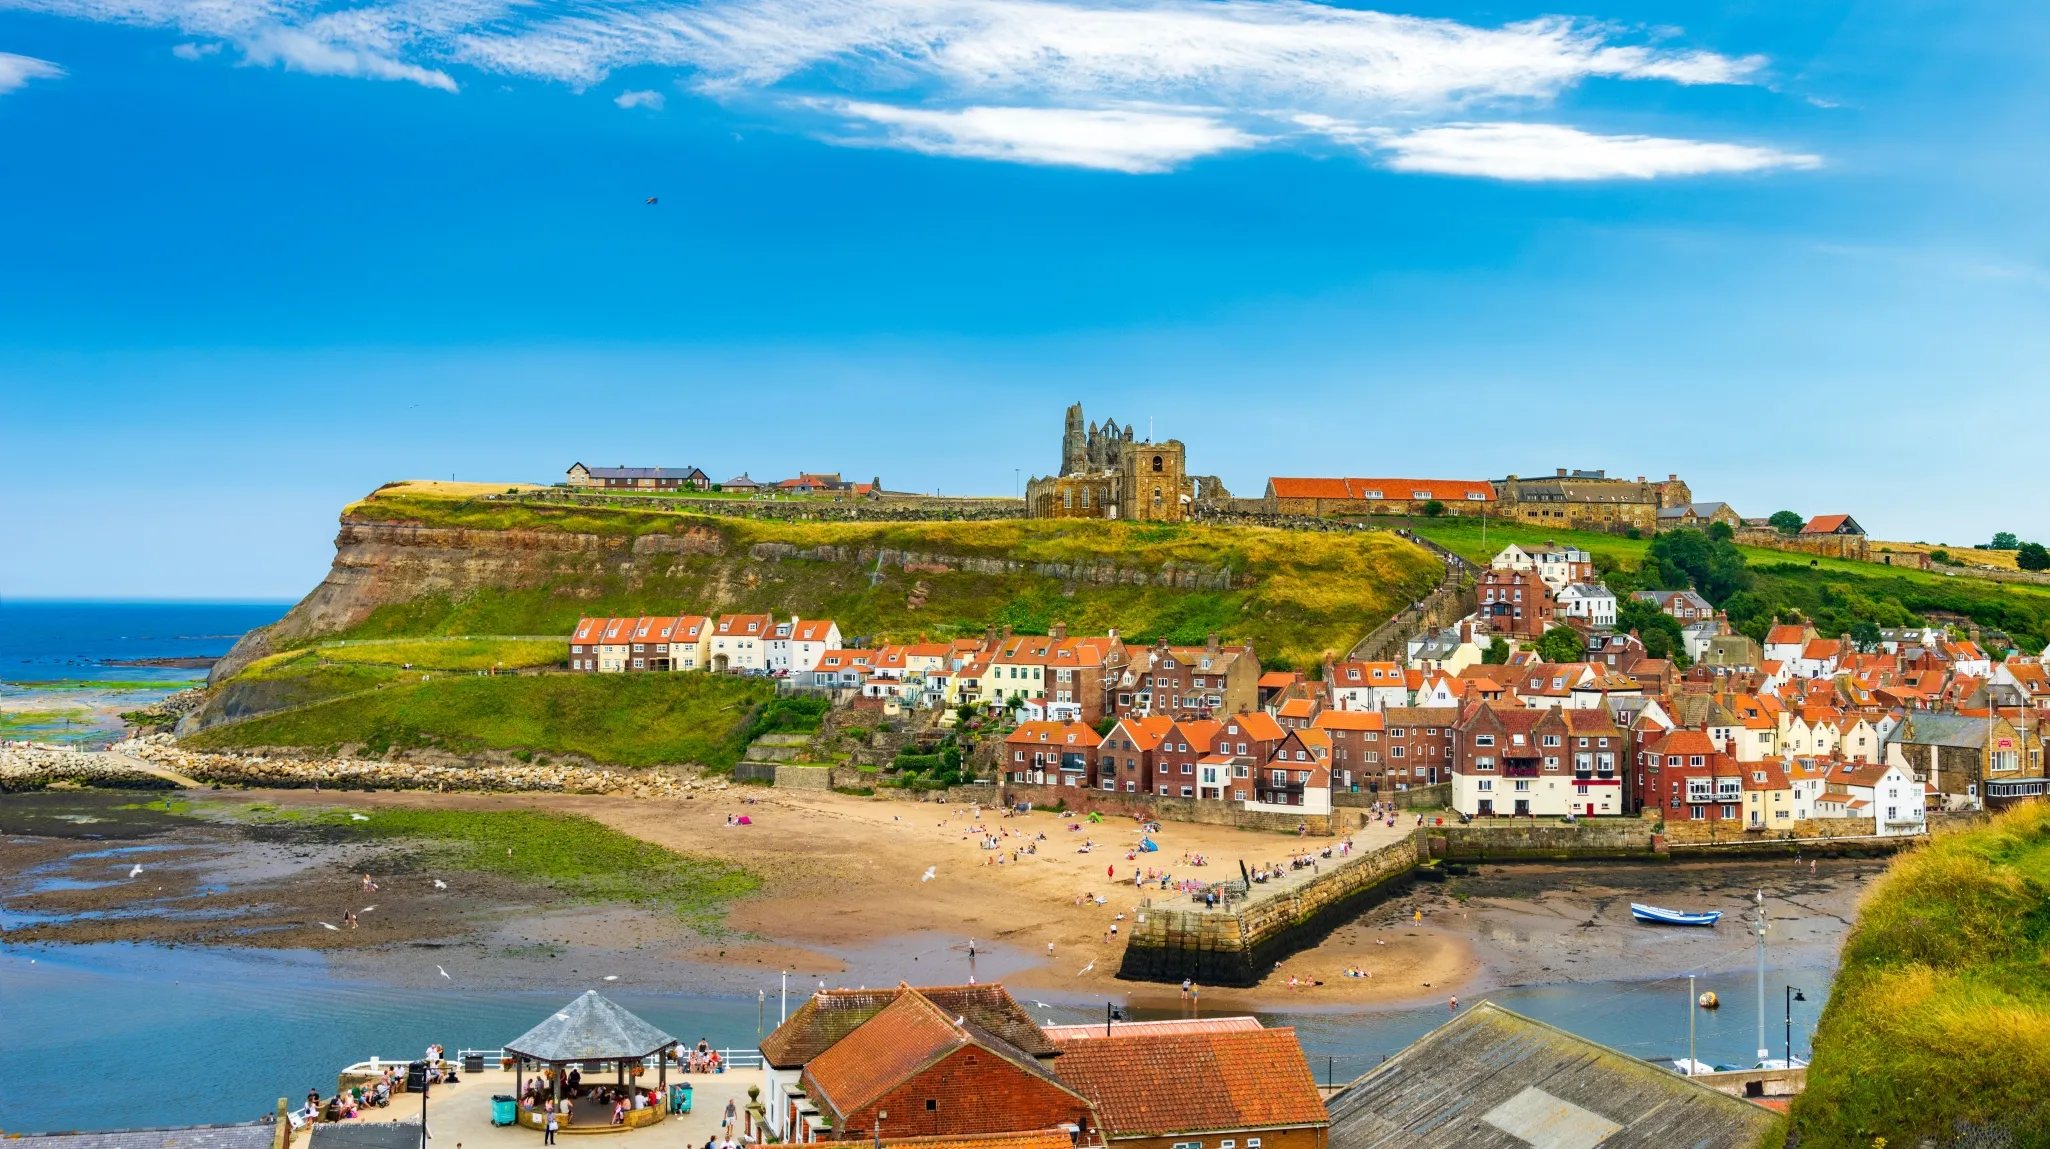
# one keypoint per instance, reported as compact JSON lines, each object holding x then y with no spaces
{"x":1554,"y":152}
{"x":1107,"y":139}
{"x":17,"y":71}
{"x":1121,"y":85}
{"x":194,"y":51}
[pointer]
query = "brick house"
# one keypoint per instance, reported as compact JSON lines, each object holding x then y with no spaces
{"x":1690,"y":780}
{"x":1188,"y":681}
{"x":1366,"y":685}
{"x":638,"y":478}
{"x":1050,"y":753}
{"x":1420,"y":742}
{"x":1356,"y":747}
{"x":1216,"y":1088}
{"x":1324,"y":497}
{"x":1174,"y":760}
{"x":1683,"y":605}
{"x":1515,"y":603}
{"x":1125,"y":758}
{"x":1297,"y":775}
{"x":937,"y":1074}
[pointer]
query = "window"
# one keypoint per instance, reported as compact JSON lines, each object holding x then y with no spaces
{"x":1553,"y":740}
{"x":1522,"y":784}
{"x":1483,"y":740}
{"x":931,"y":1103}
{"x":1484,"y":785}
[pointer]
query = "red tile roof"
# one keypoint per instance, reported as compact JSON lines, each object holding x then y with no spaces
{"x":1348,"y":720}
{"x":1083,"y":1032}
{"x":1174,"y":1083}
{"x":829,"y":1015}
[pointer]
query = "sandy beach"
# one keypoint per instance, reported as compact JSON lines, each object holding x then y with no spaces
{"x":845,"y":901}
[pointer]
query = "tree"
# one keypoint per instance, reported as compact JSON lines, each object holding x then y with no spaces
{"x":2005,"y":541}
{"x":1865,"y":634}
{"x":1433,"y":509}
{"x":1721,"y":532}
{"x":1497,"y":652}
{"x":1697,"y":560}
{"x":2032,"y":557}
{"x":1561,"y":644}
{"x":1786,"y":522}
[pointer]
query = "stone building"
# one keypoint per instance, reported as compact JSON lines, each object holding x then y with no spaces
{"x":1107,"y":473}
{"x":1589,"y":500}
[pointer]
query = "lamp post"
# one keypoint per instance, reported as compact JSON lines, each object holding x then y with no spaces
{"x":1794,"y":994}
{"x":880,"y":1115}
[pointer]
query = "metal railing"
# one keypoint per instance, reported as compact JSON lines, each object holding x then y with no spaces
{"x":730,"y":1058}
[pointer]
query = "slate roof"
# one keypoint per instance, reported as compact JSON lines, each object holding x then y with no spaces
{"x":250,"y":1136}
{"x":1922,"y":729}
{"x":829,"y":1015}
{"x":1175,"y":1083}
{"x":1037,"y":1139}
{"x":1493,"y":1079}
{"x":591,"y":1028}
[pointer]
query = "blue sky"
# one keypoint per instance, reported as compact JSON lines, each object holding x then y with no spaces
{"x":257,"y":256}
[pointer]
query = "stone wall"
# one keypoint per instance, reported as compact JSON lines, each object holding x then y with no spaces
{"x":1436,"y":796}
{"x":1184,"y":576}
{"x":1826,"y":546}
{"x":889,"y":507}
{"x":1586,"y":838}
{"x":1236,"y":947}
{"x":1153,"y":808}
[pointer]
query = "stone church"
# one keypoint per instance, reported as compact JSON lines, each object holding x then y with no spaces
{"x":1107,"y":473}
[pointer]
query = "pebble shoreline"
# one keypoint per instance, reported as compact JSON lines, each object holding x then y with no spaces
{"x":30,"y":769}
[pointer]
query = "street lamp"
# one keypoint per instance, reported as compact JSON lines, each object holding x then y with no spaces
{"x":1794,"y":994}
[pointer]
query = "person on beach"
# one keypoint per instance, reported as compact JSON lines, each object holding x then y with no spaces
{"x":548,"y":1128}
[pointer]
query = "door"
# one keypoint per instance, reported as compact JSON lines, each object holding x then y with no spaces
{"x":1523,"y":807}
{"x":1590,"y":809}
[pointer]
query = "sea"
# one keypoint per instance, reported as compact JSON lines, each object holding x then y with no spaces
{"x":122,"y":1035}
{"x":62,"y":673}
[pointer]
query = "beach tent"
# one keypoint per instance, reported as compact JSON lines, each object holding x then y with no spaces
{"x":1146,"y":846}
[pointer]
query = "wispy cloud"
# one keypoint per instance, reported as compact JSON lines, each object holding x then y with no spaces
{"x":17,"y":71}
{"x":194,"y":51}
{"x":1110,"y":140}
{"x":1508,"y":151}
{"x":1118,"y":85}
{"x":640,"y":100}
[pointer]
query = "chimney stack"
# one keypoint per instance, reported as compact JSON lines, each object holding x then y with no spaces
{"x":1059,"y":631}
{"x":1562,"y":472}
{"x":1210,"y":644}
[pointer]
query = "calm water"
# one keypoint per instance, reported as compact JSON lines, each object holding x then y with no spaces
{"x":54,"y":641}
{"x":208,"y":1035}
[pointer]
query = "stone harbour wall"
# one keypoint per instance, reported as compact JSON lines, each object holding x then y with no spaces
{"x":1236,"y":947}
{"x":24,"y":768}
{"x":1510,"y":841}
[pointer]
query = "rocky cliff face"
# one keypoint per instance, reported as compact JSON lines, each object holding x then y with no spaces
{"x":380,"y":564}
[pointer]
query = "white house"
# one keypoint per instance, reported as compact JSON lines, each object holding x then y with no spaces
{"x":796,"y":646}
{"x":1559,"y":567}
{"x":740,"y":642}
{"x":1591,"y":601}
{"x":1367,"y":685}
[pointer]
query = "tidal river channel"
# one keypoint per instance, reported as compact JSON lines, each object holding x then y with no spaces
{"x":119,"y":1035}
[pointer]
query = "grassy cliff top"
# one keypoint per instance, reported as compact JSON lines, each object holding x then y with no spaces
{"x":1938,"y":1028}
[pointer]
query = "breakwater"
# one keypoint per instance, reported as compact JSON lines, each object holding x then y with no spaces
{"x":24,"y":768}
{"x":1237,"y":945}
{"x":291,"y":772}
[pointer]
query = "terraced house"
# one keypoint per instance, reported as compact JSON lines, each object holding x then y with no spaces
{"x":629,"y":645}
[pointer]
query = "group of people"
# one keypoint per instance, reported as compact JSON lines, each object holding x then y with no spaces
{"x":701,"y":1058}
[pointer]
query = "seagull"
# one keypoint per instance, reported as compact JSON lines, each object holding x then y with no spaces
{"x":442,"y":972}
{"x":325,"y":926}
{"x":440,"y":885}
{"x":136,"y":872}
{"x":363,"y":817}
{"x":366,"y":909}
{"x":611,"y":977}
{"x":928,"y":873}
{"x":652,"y":200}
{"x":1042,"y":1005}
{"x":1086,"y":968}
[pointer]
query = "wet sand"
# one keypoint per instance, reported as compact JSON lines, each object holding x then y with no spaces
{"x":845,"y":902}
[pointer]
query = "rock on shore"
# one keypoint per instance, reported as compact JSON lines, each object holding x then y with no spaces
{"x":30,"y":767}
{"x":366,"y":773}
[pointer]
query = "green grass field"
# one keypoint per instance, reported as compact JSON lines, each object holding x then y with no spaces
{"x":467,"y":653}
{"x":576,"y":856}
{"x":624,"y":720}
{"x":1300,"y":594}
{"x":1940,"y":1016}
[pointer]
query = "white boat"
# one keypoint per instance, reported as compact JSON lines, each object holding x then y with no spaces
{"x":1664,"y":917}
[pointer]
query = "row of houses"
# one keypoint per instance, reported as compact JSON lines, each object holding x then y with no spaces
{"x":679,"y":479}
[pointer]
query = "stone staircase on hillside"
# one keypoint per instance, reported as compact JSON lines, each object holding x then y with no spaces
{"x":770,"y":749}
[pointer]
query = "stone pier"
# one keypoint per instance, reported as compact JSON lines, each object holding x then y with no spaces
{"x":1236,"y":946}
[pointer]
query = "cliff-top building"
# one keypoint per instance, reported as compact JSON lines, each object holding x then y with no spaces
{"x":1106,"y":473}
{"x":1589,"y":500}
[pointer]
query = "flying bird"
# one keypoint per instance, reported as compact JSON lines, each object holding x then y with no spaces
{"x":440,"y":885}
{"x":136,"y":872}
{"x":325,"y":926}
{"x":928,"y":873}
{"x":654,"y":200}
{"x":442,"y":972}
{"x":611,"y":977}
{"x":366,"y":909}
{"x":1086,"y":968}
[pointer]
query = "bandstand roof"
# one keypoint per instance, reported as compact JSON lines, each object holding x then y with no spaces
{"x":591,"y":1028}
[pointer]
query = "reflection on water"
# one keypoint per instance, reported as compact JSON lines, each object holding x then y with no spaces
{"x":211,"y":1035}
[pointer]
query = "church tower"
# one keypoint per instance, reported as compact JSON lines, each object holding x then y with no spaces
{"x":1074,"y":444}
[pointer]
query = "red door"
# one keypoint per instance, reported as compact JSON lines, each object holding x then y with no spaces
{"x":1590,"y":809}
